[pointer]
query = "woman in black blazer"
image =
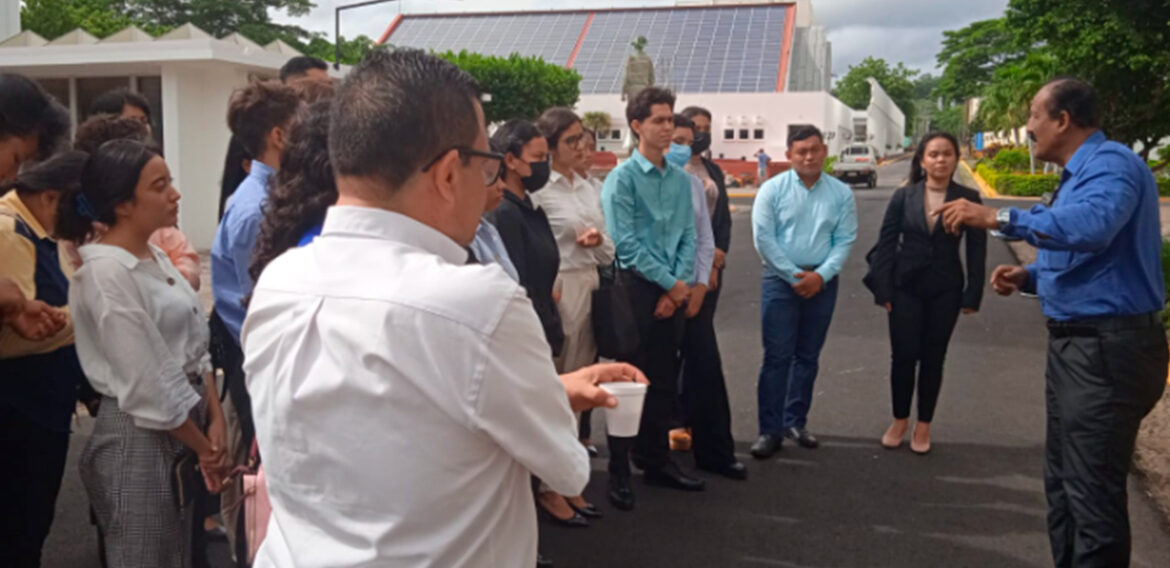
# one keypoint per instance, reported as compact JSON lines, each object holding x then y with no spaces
{"x":917,"y":276}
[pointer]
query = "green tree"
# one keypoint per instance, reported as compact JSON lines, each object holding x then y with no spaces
{"x":1122,"y":47}
{"x":597,"y":121}
{"x":520,"y":87}
{"x":971,"y":55}
{"x":853,"y":88}
{"x":950,"y":119}
{"x":54,"y":18}
{"x":1007,"y":98}
{"x":352,"y":50}
{"x":925,"y":85}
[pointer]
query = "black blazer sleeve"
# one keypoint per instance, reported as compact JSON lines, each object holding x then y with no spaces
{"x":976,"y":261}
{"x":886,"y":249}
{"x":510,"y":225}
{"x":721,"y":220}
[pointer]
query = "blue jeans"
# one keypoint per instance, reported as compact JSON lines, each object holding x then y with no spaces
{"x":794,"y":331}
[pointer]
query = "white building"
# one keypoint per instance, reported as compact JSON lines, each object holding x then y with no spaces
{"x":187,"y":76}
{"x":760,"y":66}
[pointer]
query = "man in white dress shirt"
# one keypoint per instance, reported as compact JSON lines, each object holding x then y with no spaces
{"x":402,"y":397}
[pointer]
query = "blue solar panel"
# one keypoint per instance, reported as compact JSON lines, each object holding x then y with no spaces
{"x":695,"y":50}
{"x":549,"y":36}
{"x":728,"y":49}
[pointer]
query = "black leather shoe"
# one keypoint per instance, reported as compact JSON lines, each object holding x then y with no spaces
{"x":734,"y":470}
{"x":766,"y":446}
{"x":588,"y":511}
{"x":542,"y":562}
{"x":620,"y":494}
{"x":671,"y":476}
{"x":802,"y":437}
{"x":574,"y":522}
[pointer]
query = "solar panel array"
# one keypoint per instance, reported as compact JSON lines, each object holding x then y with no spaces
{"x":728,"y":49}
{"x":549,"y":36}
{"x":695,"y":50}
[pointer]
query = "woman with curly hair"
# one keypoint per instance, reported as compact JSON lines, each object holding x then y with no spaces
{"x":301,"y":190}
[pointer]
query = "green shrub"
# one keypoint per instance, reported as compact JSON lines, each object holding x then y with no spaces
{"x":1011,"y":160}
{"x":521,"y":87}
{"x":1164,"y":187}
{"x":1026,"y":185}
{"x":829,"y":163}
{"x":986,"y":172}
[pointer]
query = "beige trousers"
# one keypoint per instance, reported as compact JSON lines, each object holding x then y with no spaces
{"x":576,"y":308}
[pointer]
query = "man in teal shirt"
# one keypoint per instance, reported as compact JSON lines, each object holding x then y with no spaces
{"x":804,"y":224}
{"x":649,"y":215}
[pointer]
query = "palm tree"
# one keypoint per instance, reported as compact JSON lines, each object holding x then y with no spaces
{"x":597,"y":121}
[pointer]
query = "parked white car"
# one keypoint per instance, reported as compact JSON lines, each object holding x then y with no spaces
{"x":857,"y":164}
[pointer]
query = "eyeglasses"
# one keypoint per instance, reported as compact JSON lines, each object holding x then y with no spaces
{"x":493,"y":165}
{"x":577,"y":141}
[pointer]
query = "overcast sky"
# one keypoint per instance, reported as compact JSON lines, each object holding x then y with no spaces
{"x":909,"y":31}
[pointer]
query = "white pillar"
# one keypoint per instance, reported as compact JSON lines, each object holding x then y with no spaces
{"x":9,"y":18}
{"x":194,"y":114}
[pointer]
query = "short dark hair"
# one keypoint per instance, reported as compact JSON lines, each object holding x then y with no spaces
{"x":301,"y":65}
{"x":397,"y":111}
{"x":113,"y":102}
{"x":512,"y":136}
{"x":102,"y":128}
{"x":109,"y":178}
{"x":681,"y":121}
{"x":61,"y":172}
{"x":313,"y":90}
{"x":26,"y":110}
{"x":692,"y":111}
{"x":640,"y":104}
{"x":554,"y":122}
{"x":801,"y":132}
{"x":256,"y":109}
{"x":1076,"y":97}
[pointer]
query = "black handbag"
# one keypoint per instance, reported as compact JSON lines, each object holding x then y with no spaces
{"x":615,"y":329}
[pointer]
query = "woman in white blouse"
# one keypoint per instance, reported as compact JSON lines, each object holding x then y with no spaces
{"x":572,"y":203}
{"x":142,"y":341}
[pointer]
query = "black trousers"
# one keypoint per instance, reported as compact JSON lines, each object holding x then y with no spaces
{"x":658,"y":358}
{"x":706,"y":409}
{"x":1102,"y":380}
{"x":34,"y":462}
{"x":920,"y":330}
{"x":227,"y":355}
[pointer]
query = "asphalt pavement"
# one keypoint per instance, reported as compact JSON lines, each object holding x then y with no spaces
{"x":976,"y":501}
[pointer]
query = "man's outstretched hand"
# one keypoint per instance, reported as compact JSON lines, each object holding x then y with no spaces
{"x":582,"y":384}
{"x":1008,"y":279}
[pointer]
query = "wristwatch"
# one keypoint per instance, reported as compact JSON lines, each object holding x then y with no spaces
{"x":1003,"y":217}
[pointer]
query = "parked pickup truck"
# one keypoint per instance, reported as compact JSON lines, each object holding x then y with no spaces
{"x":857,"y":164}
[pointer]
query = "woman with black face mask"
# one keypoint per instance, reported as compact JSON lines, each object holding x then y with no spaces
{"x":524,"y":227}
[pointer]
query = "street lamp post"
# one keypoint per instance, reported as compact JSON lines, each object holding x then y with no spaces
{"x":337,"y":26}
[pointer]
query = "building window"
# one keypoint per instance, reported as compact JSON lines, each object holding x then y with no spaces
{"x":151,"y":88}
{"x":758,"y":134}
{"x":615,"y":134}
{"x":743,"y":134}
{"x":729,"y":134}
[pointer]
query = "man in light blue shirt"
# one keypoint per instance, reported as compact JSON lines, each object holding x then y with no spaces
{"x":488,"y":247}
{"x":649,"y":216}
{"x":259,"y":116}
{"x":804,"y":224}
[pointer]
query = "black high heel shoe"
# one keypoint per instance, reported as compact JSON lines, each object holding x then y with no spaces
{"x":588,"y":510}
{"x":574,"y":522}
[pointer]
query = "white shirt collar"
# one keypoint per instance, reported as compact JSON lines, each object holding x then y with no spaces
{"x":386,"y":225}
{"x":98,"y":250}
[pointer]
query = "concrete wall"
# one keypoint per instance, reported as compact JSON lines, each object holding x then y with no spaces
{"x":887,"y":123}
{"x":195,"y":98}
{"x":772,"y":112}
{"x":9,"y":18}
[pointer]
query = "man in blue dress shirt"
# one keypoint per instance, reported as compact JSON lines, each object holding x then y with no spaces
{"x":259,"y":116}
{"x":1099,"y":278}
{"x":650,"y":217}
{"x":804,"y":223}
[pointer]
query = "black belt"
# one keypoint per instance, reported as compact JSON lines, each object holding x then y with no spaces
{"x":1093,"y":327}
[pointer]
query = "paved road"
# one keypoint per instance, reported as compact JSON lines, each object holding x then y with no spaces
{"x":975,"y":501}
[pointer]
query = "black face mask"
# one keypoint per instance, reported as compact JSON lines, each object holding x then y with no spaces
{"x":701,"y":144}
{"x":539,"y":177}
